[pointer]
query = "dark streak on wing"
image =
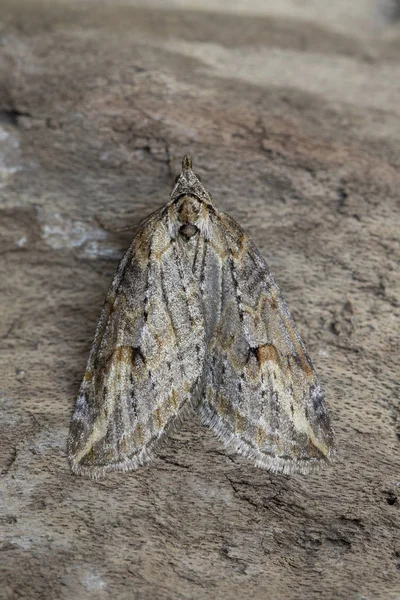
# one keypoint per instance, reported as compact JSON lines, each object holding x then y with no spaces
{"x":236,"y":284}
{"x":196,"y":253}
{"x":182,"y":281}
{"x":205,"y":249}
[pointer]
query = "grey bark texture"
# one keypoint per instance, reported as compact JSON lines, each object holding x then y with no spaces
{"x":299,"y":108}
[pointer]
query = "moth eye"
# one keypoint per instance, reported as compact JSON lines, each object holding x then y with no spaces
{"x":176,"y":179}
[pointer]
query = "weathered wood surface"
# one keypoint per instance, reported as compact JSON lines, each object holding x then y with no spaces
{"x":292,"y":115}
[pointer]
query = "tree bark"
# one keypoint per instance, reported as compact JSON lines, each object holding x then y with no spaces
{"x":291,"y":114}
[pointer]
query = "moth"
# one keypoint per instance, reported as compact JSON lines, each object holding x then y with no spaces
{"x":194,"y":319}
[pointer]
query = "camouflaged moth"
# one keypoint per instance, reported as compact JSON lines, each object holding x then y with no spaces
{"x":193,"y":318}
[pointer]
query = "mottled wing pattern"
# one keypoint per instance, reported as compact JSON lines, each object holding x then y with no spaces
{"x":193,"y":313}
{"x":261,"y":394}
{"x":146,"y":359}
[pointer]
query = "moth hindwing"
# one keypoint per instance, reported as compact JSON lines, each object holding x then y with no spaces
{"x":193,"y":317}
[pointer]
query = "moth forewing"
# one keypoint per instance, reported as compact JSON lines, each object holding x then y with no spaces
{"x":261,"y":394}
{"x":146,"y":361}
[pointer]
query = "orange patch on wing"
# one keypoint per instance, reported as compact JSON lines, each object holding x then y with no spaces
{"x":267,"y":352}
{"x":304,"y":364}
{"x":123,"y":354}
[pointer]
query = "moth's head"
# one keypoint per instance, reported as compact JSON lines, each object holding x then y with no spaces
{"x":188,"y":183}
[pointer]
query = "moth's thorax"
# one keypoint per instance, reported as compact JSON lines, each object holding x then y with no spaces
{"x":188,"y":209}
{"x":189,"y":217}
{"x":187,"y":212}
